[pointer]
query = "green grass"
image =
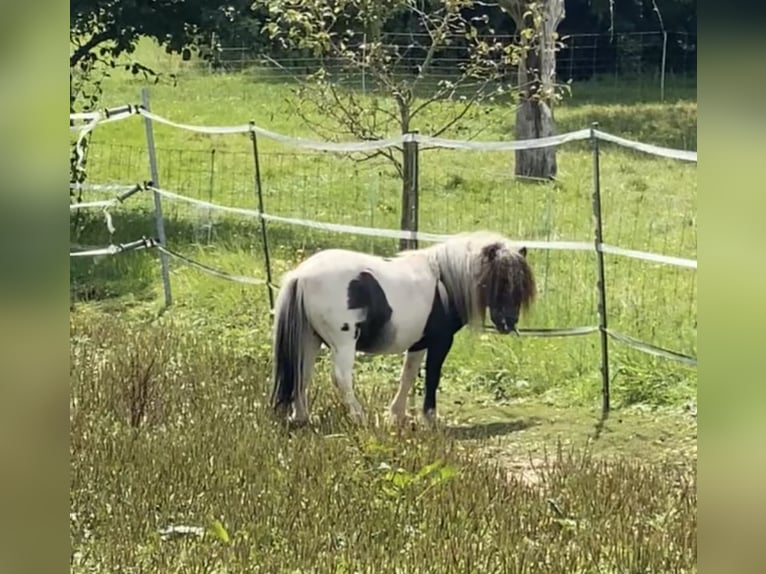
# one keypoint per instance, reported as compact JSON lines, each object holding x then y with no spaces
{"x":168,"y":425}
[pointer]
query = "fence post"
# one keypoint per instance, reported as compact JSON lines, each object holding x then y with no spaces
{"x":410,"y":191}
{"x":259,"y":195}
{"x":662,"y":70}
{"x":154,"y":174}
{"x":598,"y":240}
{"x":211,"y":182}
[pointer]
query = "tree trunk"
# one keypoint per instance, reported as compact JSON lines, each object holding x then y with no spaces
{"x":534,"y":119}
{"x":537,"y":76}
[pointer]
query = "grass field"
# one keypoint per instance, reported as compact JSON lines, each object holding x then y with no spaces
{"x":167,"y":418}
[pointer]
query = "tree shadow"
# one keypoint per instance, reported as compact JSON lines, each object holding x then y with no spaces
{"x":490,"y":429}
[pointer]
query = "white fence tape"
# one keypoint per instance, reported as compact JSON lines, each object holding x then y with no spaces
{"x":381,"y":232}
{"x":210,"y":270}
{"x":681,"y":154}
{"x":101,"y":187}
{"x":108,"y":250}
{"x":504,"y":145}
{"x":654,"y":257}
{"x":143,"y":243}
{"x":91,"y":204}
{"x":424,"y":236}
{"x":241,"y":129}
{"x":206,"y":204}
{"x":96,"y":118}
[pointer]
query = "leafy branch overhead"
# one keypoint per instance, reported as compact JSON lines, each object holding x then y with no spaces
{"x":350,"y":39}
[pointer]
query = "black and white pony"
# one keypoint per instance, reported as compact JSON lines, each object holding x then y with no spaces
{"x":414,"y":302}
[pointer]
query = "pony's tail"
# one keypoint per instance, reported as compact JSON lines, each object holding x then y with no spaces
{"x":291,"y":327}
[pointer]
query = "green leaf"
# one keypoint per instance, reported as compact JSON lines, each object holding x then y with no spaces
{"x":219,"y":531}
{"x":429,"y":468}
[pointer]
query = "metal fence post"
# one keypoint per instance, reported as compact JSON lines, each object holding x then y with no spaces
{"x":154,"y":174}
{"x":662,"y":69}
{"x":598,"y":240}
{"x":410,"y":199}
{"x":259,"y":195}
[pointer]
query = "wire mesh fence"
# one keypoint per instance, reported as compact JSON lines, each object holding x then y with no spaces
{"x":645,"y":60}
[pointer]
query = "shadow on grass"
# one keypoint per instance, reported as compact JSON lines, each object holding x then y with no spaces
{"x":489,"y":429}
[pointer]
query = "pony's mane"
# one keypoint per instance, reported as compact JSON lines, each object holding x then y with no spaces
{"x":463,"y":264}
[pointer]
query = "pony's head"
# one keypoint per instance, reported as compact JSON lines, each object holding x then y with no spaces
{"x":506,"y":284}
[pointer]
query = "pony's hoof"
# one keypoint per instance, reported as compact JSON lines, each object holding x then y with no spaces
{"x":397,"y":420}
{"x":430,"y":419}
{"x":296,"y":423}
{"x":359,"y":418}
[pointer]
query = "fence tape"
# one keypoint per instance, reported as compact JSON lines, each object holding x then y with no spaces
{"x":425,"y":236}
{"x":683,"y":155}
{"x":101,"y":187}
{"x":104,"y":116}
{"x":646,"y":256}
{"x":143,"y":243}
{"x":375,"y":144}
{"x":504,"y":145}
{"x":210,"y":270}
{"x":240,"y":129}
{"x":551,"y":332}
{"x":392,"y":233}
{"x":107,"y":204}
{"x":89,"y":204}
{"x":205,"y":204}
{"x":652,"y":349}
{"x":122,"y":112}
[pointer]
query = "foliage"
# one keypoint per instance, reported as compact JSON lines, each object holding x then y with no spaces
{"x":102,"y":32}
{"x":640,"y":15}
{"x":348,"y":36}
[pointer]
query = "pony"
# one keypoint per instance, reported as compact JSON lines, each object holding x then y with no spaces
{"x":413,"y":303}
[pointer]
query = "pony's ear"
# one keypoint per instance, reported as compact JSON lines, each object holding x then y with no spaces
{"x":523,"y":251}
{"x":490,"y":251}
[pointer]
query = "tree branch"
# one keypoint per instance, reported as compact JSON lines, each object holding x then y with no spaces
{"x":85,"y":49}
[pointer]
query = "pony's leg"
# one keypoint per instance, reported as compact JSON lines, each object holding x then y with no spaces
{"x":437,"y":352}
{"x":300,"y":413}
{"x":343,"y":365}
{"x":398,"y":407}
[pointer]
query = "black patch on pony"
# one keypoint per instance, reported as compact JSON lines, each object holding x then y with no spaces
{"x":344,"y":327}
{"x":442,"y":323}
{"x":364,"y":292}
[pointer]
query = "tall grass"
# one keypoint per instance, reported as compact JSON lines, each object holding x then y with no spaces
{"x":169,"y":430}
